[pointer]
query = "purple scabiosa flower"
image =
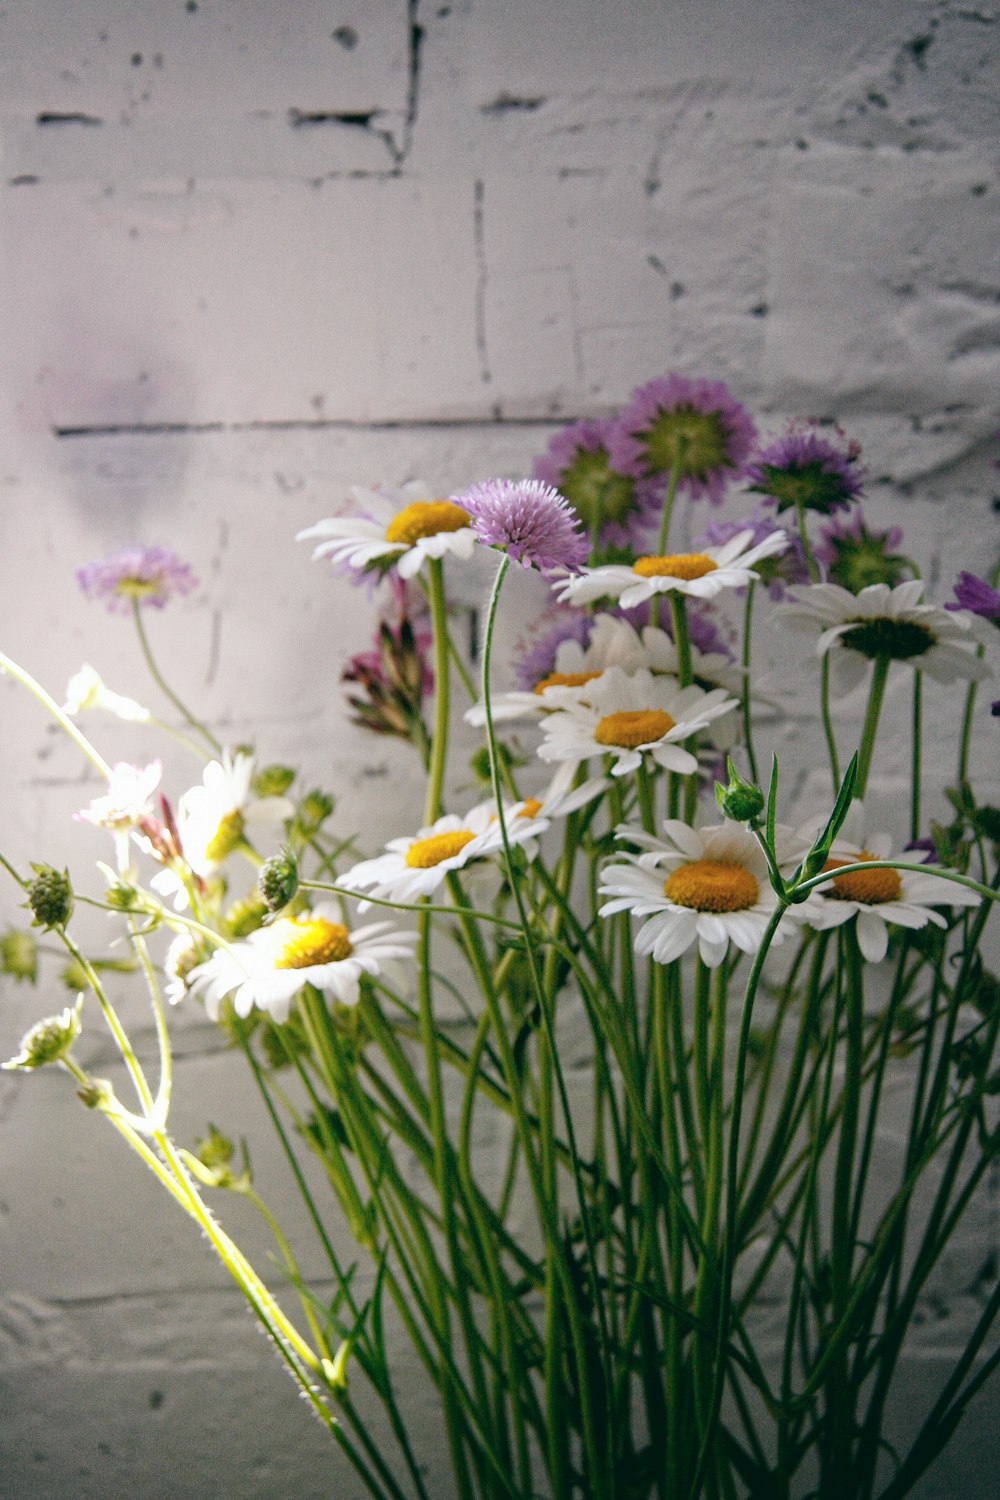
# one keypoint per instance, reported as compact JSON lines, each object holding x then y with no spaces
{"x":695,"y":428}
{"x":809,"y":465}
{"x":977,"y":597}
{"x":136,"y":575}
{"x":535,"y":655}
{"x":853,"y":556}
{"x":529,"y":520}
{"x":775,"y":572}
{"x":614,"y":507}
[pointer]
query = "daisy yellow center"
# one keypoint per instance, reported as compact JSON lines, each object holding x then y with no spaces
{"x":686,"y":565}
{"x":424,"y":854}
{"x":225,"y":838}
{"x":870,"y":887}
{"x":309,"y":941}
{"x":425,"y":518}
{"x":633,"y":727}
{"x":531,"y":808}
{"x":565,"y":679}
{"x":712,"y":885}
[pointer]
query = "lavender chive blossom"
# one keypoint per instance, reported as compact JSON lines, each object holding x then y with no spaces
{"x":136,"y":575}
{"x":810,"y":466}
{"x":529,"y":520}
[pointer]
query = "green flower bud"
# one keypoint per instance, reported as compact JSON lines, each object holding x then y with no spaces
{"x":243,"y":917}
{"x":314,"y":809}
{"x":278,"y":880}
{"x":96,"y":1093}
{"x":19,"y":955}
{"x":740,"y":800}
{"x":49,"y":1040}
{"x":273,"y":781}
{"x":50,"y":897}
{"x":214,"y":1150}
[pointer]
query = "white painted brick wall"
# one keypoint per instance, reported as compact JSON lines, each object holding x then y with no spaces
{"x":251,"y":254}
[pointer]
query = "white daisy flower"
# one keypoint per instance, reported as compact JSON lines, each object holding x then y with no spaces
{"x":706,"y":886}
{"x":561,"y":797}
{"x":86,"y":689}
{"x":401,"y":527}
{"x":213,"y":819}
{"x":703,"y":574}
{"x":627,"y":716}
{"x":417,"y":864}
{"x":269,"y":969}
{"x":886,"y":621}
{"x":127,"y":800}
{"x":878,"y":898}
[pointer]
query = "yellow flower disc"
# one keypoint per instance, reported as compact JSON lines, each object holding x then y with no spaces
{"x":532,"y":807}
{"x":686,"y":565}
{"x":225,"y":838}
{"x":871,"y":887}
{"x":564,"y":679}
{"x":712,"y":885}
{"x":425,"y":518}
{"x":306,"y":941}
{"x":424,"y":854}
{"x":633,"y":728}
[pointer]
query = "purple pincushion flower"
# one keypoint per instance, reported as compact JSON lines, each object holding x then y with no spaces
{"x":136,"y":576}
{"x":694,"y":429}
{"x":535,"y":656}
{"x":786,"y":567}
{"x":809,"y":466}
{"x":977,"y":597}
{"x":614,"y":507}
{"x":853,"y":556}
{"x":529,"y":520}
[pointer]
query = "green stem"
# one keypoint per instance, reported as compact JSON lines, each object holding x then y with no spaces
{"x":916,"y":748}
{"x":876,"y":693}
{"x":665,"y":517}
{"x":164,"y":686}
{"x":745,"y":696}
{"x":439,"y":742}
{"x":61,"y":718}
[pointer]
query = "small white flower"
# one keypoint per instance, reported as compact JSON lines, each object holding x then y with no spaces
{"x":702,"y":574}
{"x":213,"y":819}
{"x":401,"y":527}
{"x":85,"y":689}
{"x":890,"y":622}
{"x":127,"y":800}
{"x":270,"y":968}
{"x":417,"y":864}
{"x":878,"y":898}
{"x":627,"y":716}
{"x":707,"y":886}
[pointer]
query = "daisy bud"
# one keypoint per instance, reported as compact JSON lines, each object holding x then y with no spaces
{"x":314,"y":809}
{"x":278,"y":880}
{"x":50,"y":897}
{"x":49,"y":1040}
{"x":19,"y":955}
{"x":740,"y":800}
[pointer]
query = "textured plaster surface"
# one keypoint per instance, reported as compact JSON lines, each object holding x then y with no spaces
{"x":253,"y":254}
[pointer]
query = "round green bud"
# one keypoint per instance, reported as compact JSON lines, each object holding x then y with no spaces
{"x":273,"y":781}
{"x":19,"y":955}
{"x":740,"y":800}
{"x":314,"y":809}
{"x":50,"y":897}
{"x":49,"y":1040}
{"x":278,"y":880}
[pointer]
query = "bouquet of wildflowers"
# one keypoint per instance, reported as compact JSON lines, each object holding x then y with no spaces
{"x":591,"y":1061}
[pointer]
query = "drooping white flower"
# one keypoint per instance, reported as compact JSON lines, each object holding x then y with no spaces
{"x":270,"y":968}
{"x":889,"y":622}
{"x":86,"y":689}
{"x":700,"y":574}
{"x":400,"y":527}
